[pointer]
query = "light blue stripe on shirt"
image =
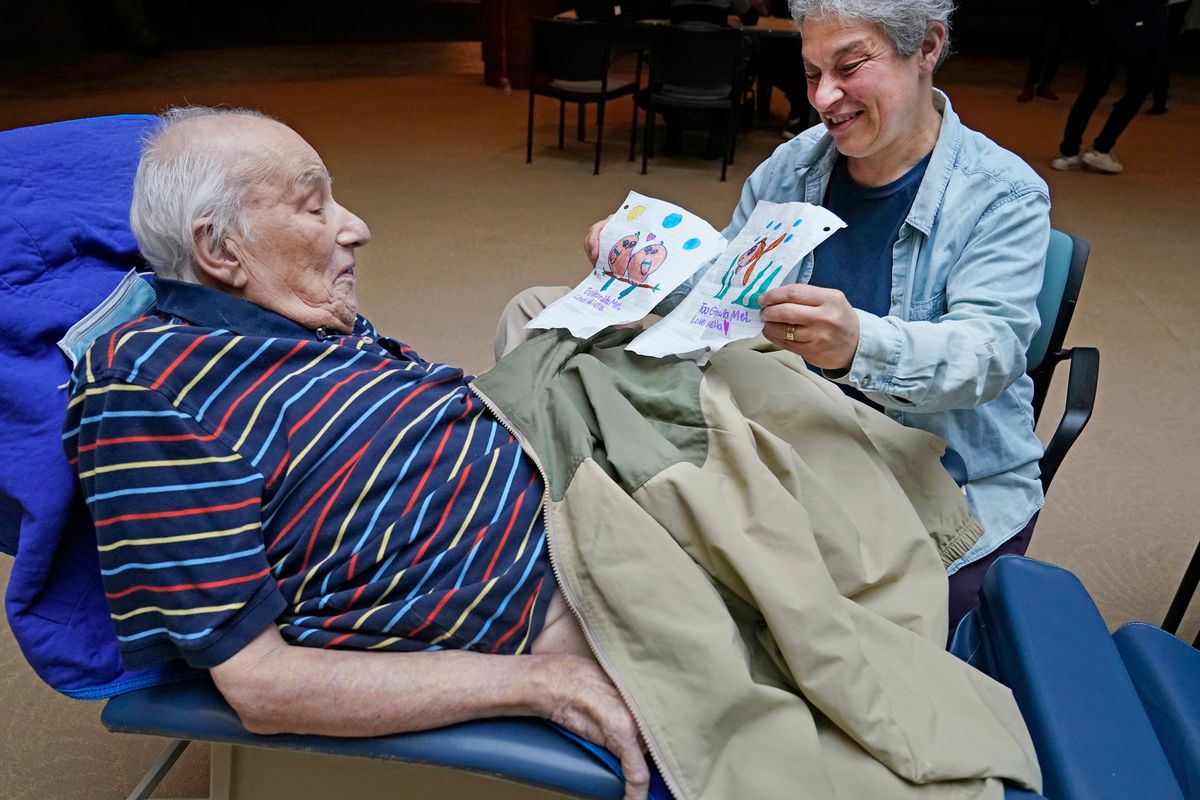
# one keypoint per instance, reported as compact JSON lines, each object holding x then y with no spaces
{"x":187,"y":562}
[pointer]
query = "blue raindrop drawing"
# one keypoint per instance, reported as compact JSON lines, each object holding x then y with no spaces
{"x":672,"y":220}
{"x":691,"y":244}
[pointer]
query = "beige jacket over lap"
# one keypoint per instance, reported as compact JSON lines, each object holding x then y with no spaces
{"x":759,"y":562}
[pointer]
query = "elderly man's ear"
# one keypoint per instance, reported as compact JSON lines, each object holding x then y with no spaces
{"x":216,"y":263}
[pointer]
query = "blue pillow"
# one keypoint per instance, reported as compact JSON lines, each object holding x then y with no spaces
{"x":65,"y":242}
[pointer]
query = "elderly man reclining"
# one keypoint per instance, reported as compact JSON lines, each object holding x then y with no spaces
{"x":356,"y":541}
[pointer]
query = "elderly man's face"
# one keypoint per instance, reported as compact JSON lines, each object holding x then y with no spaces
{"x":299,"y":258}
{"x":873,"y":101}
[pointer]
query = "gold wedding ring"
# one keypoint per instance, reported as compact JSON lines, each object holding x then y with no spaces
{"x":791,"y":333}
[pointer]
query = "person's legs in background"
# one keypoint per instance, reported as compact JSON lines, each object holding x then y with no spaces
{"x":1101,"y":64}
{"x":1101,"y":69}
{"x":1176,"y":15}
{"x":1140,"y":51}
{"x":1047,"y":53}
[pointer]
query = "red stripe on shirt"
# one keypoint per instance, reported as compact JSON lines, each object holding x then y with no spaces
{"x":445,"y":514}
{"x":432,"y":614}
{"x":112,"y":338}
{"x":270,"y":371}
{"x":433,"y":462}
{"x":513,"y":516}
{"x":325,"y":398}
{"x":520,"y":623}
{"x":183,"y":512}
{"x":178,"y":360}
{"x":182,"y":587}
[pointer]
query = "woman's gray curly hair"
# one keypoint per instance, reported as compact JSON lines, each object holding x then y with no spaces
{"x":180,"y":180}
{"x":904,"y":22}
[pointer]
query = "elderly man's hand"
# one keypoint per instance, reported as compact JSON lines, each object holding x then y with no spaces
{"x":824,"y":327}
{"x":591,"y":242}
{"x":580,"y":697}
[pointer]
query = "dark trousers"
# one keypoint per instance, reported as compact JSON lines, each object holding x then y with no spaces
{"x":1176,"y":15}
{"x":1057,"y":20}
{"x":1128,"y":40}
{"x":964,"y":584}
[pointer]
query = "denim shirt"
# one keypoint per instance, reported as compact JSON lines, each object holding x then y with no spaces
{"x":949,"y":358}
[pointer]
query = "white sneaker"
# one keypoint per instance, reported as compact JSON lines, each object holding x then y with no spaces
{"x":1102,"y":162}
{"x":1062,"y":162}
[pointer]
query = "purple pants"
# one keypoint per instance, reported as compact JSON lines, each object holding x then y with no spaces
{"x":964,"y":584}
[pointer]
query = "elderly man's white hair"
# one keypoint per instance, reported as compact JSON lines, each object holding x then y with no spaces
{"x":182,"y":179}
{"x":904,"y":22}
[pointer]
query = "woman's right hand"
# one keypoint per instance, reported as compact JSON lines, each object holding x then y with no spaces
{"x":591,"y":242}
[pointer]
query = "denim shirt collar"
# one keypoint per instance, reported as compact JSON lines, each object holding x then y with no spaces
{"x":823,"y":156}
{"x":212,"y":308}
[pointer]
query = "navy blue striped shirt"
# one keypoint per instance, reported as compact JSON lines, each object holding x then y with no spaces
{"x":243,"y":470}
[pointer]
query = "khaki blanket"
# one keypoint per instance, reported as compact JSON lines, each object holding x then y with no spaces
{"x":760,"y":563}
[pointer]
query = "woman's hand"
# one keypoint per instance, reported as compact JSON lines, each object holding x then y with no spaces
{"x":591,"y":242}
{"x":823,"y":326}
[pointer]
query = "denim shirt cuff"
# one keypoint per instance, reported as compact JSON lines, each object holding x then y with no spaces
{"x":876,"y":358}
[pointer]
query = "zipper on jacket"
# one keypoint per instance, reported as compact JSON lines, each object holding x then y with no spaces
{"x":601,"y":658}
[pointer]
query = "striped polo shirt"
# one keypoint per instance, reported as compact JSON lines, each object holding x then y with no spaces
{"x":242,"y":470}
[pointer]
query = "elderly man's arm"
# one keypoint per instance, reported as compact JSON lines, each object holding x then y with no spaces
{"x":278,"y":688}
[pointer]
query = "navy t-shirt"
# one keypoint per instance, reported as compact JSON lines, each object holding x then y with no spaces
{"x":858,"y":259}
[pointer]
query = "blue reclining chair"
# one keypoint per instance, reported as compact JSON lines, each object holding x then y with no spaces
{"x":65,"y":243}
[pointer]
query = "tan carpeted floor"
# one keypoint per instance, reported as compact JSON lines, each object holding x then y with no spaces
{"x":434,"y":161}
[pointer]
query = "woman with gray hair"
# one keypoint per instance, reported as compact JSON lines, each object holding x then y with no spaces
{"x":924,"y":306}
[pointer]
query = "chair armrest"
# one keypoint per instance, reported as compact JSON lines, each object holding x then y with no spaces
{"x":1081,"y":397}
{"x":1093,"y":737}
{"x":525,"y":750}
{"x":1166,"y":673}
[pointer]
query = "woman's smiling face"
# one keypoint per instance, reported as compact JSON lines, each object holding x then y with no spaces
{"x":873,"y":101}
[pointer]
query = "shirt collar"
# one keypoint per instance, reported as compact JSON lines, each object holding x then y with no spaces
{"x":212,"y":308}
{"x":823,"y":156}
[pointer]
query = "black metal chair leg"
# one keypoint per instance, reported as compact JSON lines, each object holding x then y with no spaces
{"x":159,"y":769}
{"x":1183,"y":597}
{"x":599,"y":133}
{"x":637,"y":87}
{"x":529,"y":138}
{"x":648,"y":135}
{"x":633,"y":131}
{"x":725,"y":153}
{"x":733,"y":130}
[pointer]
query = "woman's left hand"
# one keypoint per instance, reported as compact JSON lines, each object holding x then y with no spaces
{"x":817,"y":324}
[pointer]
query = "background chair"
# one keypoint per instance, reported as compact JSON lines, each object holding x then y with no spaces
{"x":682,"y":13}
{"x":1066,"y":260}
{"x":694,"y":67}
{"x":571,"y":61}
